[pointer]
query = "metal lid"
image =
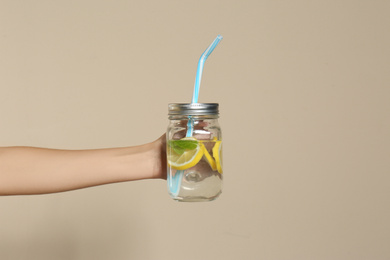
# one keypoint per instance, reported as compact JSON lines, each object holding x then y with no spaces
{"x":196,"y":109}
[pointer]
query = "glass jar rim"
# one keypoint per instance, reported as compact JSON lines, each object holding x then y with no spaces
{"x":193,"y":109}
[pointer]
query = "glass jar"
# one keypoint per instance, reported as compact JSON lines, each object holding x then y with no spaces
{"x":194,"y":152}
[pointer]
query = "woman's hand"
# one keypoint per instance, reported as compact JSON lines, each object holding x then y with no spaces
{"x":160,"y":158}
{"x":30,"y":170}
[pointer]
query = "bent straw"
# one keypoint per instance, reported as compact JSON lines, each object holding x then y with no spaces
{"x":175,"y":183}
{"x":201,"y":62}
{"x":198,"y":78}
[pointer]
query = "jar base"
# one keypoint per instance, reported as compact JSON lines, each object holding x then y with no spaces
{"x":196,"y":199}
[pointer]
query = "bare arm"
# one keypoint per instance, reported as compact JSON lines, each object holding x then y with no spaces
{"x":29,"y":170}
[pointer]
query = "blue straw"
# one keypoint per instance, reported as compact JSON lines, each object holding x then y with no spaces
{"x":175,"y":183}
{"x":199,"y":71}
{"x":198,"y":78}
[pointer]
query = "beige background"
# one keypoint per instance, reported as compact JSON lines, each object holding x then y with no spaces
{"x":304,"y":93}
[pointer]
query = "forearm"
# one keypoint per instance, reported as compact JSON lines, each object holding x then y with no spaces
{"x":27,"y":170}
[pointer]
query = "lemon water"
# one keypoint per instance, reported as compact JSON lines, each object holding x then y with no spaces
{"x":203,"y":181}
{"x":194,"y":152}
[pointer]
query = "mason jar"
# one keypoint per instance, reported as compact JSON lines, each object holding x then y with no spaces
{"x":194,"y":152}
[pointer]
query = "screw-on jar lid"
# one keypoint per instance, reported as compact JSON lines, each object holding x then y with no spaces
{"x":196,"y":109}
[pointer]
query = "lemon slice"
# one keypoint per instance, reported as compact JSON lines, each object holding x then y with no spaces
{"x":209,"y":158}
{"x":217,"y":153}
{"x":182,"y":160}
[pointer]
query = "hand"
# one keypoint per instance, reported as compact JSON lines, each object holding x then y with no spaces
{"x":160,"y":158}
